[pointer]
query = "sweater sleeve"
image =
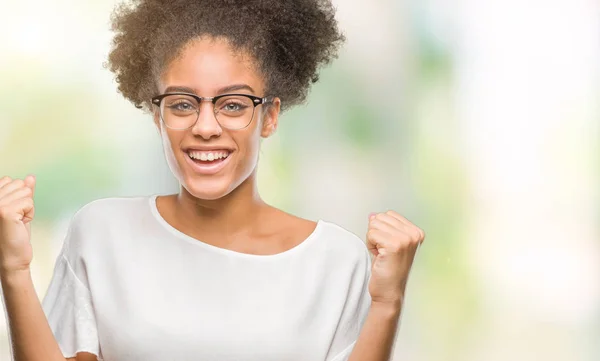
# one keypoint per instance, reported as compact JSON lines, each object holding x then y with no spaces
{"x":355,"y":312}
{"x":68,"y":303}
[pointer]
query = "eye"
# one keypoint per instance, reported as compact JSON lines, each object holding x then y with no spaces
{"x":233,"y":105}
{"x":182,"y":105}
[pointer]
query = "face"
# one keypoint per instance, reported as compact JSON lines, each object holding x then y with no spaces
{"x":209,"y":67}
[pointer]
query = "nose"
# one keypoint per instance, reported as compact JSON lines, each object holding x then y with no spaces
{"x":207,"y":125}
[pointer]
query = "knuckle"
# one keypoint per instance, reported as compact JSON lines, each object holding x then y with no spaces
{"x":396,"y":247}
{"x":393,"y":213}
{"x":418,"y":232}
{"x":370,"y":234}
{"x":416,"y":235}
{"x":29,"y":203}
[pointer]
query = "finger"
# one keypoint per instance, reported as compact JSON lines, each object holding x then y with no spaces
{"x":4,"y":181}
{"x":377,"y":228}
{"x":8,"y":188}
{"x":17,"y":210}
{"x":30,"y":181}
{"x":379,"y":240}
{"x":385,"y":227}
{"x":410,"y":228}
{"x":15,"y":195}
{"x":398,"y":216}
{"x":393,"y":227}
{"x":371,"y":243}
{"x":24,"y":208}
{"x":373,"y":250}
{"x":383,"y":218}
{"x":29,"y":213}
{"x":28,"y":210}
{"x":372,"y":247}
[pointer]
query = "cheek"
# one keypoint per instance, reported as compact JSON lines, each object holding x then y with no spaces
{"x":252,"y":147}
{"x":171,"y":154}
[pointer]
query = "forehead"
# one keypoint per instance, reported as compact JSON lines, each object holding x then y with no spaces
{"x":209,"y":64}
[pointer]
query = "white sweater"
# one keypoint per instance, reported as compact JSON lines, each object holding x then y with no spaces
{"x":127,"y":286}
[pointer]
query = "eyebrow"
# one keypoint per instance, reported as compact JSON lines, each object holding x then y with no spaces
{"x":235,"y":87}
{"x":179,"y":89}
{"x":226,"y":89}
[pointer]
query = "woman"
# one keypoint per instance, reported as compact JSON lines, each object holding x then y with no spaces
{"x":213,"y":272}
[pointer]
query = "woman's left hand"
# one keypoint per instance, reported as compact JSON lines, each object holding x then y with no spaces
{"x":393,"y":240}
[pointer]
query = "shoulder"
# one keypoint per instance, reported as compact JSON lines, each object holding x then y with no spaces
{"x":103,"y":215}
{"x":341,"y":236}
{"x":92,"y":224}
{"x":343,"y":243}
{"x":99,"y":210}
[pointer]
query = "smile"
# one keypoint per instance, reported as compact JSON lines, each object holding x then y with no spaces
{"x":207,"y":162}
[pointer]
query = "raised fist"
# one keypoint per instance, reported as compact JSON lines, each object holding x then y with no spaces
{"x":16,"y":214}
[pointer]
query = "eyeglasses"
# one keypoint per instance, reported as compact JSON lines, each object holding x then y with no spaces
{"x":180,"y":111}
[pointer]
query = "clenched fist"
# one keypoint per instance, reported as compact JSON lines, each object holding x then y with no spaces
{"x":393,"y":240}
{"x":16,"y":214}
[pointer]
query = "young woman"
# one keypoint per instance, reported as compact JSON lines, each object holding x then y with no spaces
{"x":212,"y":272}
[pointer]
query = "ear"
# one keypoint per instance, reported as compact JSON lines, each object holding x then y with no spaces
{"x":270,"y":118}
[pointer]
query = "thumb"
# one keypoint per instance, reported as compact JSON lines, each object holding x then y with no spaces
{"x":30,"y":182}
{"x":370,"y":244}
{"x":29,"y":213}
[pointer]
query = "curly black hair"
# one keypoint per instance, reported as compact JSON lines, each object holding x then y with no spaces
{"x":289,"y":40}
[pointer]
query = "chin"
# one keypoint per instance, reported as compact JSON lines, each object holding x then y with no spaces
{"x":208,"y":189}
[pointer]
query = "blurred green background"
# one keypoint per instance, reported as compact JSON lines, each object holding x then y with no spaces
{"x":478,"y":121}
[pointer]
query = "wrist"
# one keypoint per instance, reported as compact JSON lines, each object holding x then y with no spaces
{"x":387,"y":309}
{"x":14,"y":277}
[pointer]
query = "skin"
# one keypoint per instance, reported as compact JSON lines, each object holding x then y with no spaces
{"x":223,"y":209}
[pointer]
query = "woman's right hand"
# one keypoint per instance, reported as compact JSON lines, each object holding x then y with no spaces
{"x":16,"y":214}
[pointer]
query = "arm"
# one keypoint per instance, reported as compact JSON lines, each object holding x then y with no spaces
{"x":394,"y":241}
{"x":377,"y":335}
{"x":29,"y":330}
{"x":30,"y":334}
{"x":32,"y":338}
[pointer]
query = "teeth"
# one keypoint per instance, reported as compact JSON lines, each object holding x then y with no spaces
{"x":208,"y":156}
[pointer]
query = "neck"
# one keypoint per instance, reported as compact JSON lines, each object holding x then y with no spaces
{"x":232,"y":214}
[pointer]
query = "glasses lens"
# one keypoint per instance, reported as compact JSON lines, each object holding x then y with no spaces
{"x":179,"y":111}
{"x":234,"y":112}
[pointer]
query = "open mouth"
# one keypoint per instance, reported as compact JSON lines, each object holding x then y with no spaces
{"x":207,"y":158}
{"x":208,"y":162}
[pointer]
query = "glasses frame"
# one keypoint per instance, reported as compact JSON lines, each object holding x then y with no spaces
{"x":157,"y":100}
